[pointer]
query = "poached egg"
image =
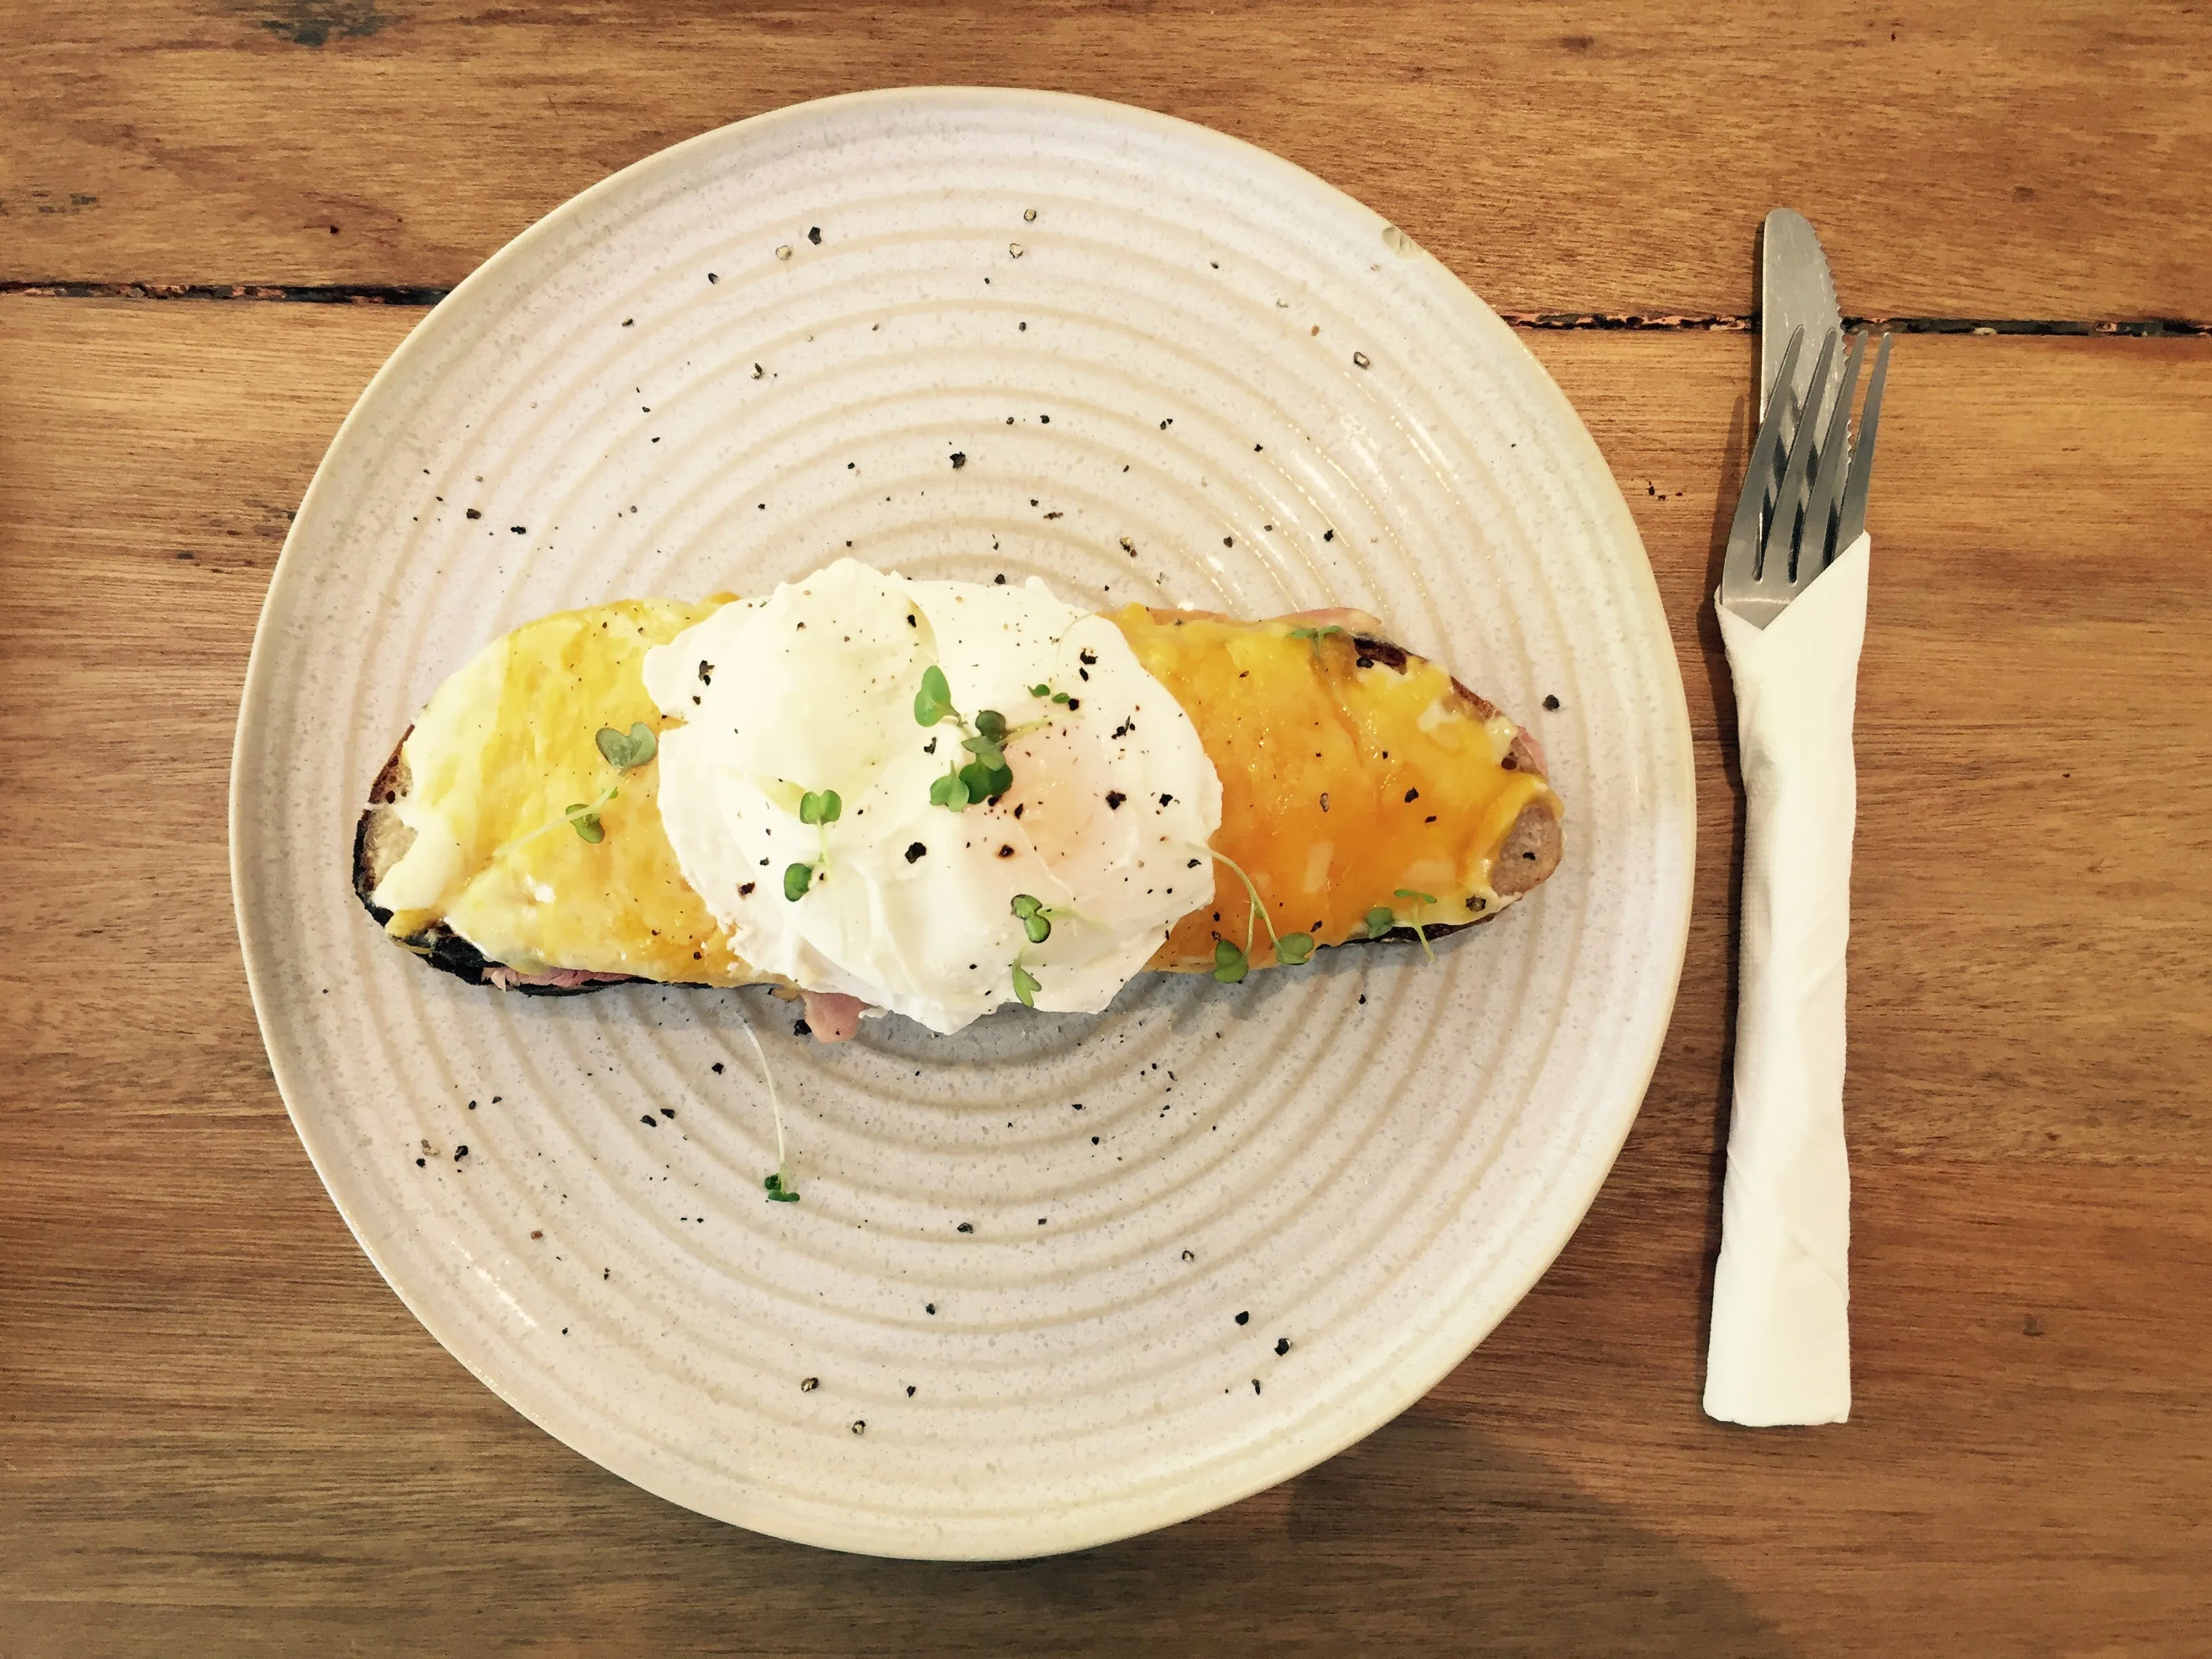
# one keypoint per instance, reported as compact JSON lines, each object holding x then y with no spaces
{"x":912,"y":903}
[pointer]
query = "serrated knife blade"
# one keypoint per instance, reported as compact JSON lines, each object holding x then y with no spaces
{"x":1794,"y":291}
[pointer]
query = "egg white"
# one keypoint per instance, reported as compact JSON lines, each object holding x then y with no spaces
{"x":811,"y":687}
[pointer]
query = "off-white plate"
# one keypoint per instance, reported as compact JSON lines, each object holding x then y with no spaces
{"x":1077,"y":1277}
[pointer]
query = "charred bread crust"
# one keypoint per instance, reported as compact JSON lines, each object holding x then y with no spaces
{"x":1530,"y":852}
{"x":379,"y":839}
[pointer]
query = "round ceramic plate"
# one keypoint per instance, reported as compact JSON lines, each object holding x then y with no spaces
{"x":1056,"y":1279}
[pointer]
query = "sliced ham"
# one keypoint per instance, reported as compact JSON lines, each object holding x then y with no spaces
{"x":1526,"y":739}
{"x":832,"y":1016}
{"x":558,"y":979}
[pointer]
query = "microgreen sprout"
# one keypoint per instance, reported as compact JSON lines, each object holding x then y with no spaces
{"x":1025,"y":985}
{"x":1420,"y":932}
{"x":1290,"y":948}
{"x":934,"y":700}
{"x":988,"y":775}
{"x":627,"y":750}
{"x":1036,"y":920}
{"x":1051,"y":695}
{"x":1314,"y":636}
{"x":623,"y":750}
{"x":1037,"y":917}
{"x":777,"y":1186}
{"x":820,"y":809}
{"x":583,"y":818}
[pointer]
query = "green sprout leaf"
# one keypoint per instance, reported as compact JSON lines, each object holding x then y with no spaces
{"x":1230,"y":963}
{"x":1040,"y":690}
{"x":820,"y":809}
{"x":797,"y":879}
{"x":1420,"y":932}
{"x":1035,"y":922}
{"x":779,"y":1188}
{"x":1025,"y":986}
{"x":628,"y":750}
{"x":1063,"y":699}
{"x":985,"y":778}
{"x":1314,"y":636}
{"x":1294,"y":948}
{"x":623,"y":750}
{"x":985,"y":781}
{"x":1380,"y":921}
{"x":934,"y":700}
{"x":581,"y":816}
{"x":1256,"y":913}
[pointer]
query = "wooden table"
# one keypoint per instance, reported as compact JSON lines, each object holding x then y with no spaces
{"x":221,"y":1433}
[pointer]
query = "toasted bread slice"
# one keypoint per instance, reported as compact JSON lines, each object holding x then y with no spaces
{"x":1341,"y":755}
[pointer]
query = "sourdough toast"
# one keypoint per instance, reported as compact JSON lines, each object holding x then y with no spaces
{"x":1529,"y":853}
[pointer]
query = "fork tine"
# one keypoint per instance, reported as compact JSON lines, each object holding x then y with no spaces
{"x":1742,"y":561}
{"x":1781,"y":528}
{"x":1851,"y":523}
{"x":1829,"y":467}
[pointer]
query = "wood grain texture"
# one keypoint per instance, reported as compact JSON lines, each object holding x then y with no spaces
{"x":221,"y":1433}
{"x":1963,"y":159}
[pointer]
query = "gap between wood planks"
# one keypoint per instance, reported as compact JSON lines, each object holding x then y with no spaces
{"x":360,"y":294}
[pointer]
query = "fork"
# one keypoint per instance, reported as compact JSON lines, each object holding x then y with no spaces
{"x":1818,"y":506}
{"x":1779,"y":1351}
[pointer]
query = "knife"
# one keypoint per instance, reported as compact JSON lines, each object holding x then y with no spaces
{"x":1794,"y":291}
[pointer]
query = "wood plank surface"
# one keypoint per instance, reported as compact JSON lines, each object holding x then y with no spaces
{"x":220,"y":1432}
{"x":1965,"y":159}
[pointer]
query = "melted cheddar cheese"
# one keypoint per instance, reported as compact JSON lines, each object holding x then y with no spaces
{"x":501,"y":751}
{"x":1341,"y":784}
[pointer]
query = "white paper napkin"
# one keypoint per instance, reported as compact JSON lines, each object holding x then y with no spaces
{"x":1781,"y":1340}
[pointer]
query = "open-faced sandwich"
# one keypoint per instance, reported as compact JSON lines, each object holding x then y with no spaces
{"x":936,"y":798}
